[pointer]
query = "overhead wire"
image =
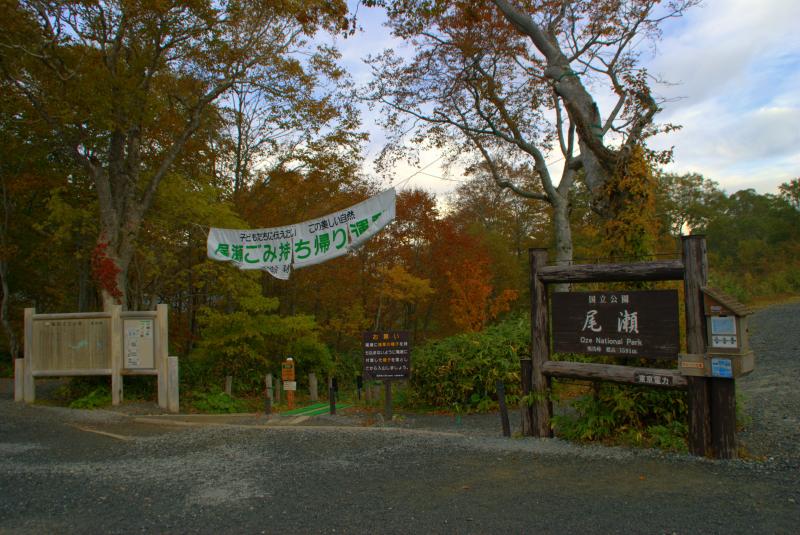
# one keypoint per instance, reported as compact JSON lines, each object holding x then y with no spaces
{"x":417,"y":172}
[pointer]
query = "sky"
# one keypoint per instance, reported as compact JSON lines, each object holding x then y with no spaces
{"x":734,"y":73}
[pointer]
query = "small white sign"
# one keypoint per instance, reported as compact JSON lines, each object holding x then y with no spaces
{"x":723,"y":325}
{"x":290,"y":385}
{"x":724,"y":341}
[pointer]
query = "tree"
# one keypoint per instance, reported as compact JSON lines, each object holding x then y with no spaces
{"x":465,"y":279}
{"x":790,"y":192}
{"x":125,"y":86}
{"x":510,"y":83}
{"x":30,"y":177}
{"x":687,"y":202}
{"x":519,"y":221}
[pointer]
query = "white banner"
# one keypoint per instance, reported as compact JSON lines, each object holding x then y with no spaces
{"x":314,"y":241}
{"x":269,"y":249}
{"x":330,"y":236}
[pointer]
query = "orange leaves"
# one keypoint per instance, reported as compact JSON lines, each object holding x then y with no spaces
{"x":472,"y":306}
{"x":465,"y":261}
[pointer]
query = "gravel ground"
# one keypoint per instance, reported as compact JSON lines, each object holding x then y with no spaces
{"x":64,"y":471}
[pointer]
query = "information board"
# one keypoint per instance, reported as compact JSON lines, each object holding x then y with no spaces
{"x":387,"y":355}
{"x":139,"y":344}
{"x":721,"y":367}
{"x":623,"y":324}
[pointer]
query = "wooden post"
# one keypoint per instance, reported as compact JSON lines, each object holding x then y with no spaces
{"x":312,"y":386}
{"x":173,"y":401}
{"x":288,"y":376}
{"x":229,"y":385}
{"x":526,"y":410}
{"x":19,"y":379}
{"x":368,"y":394}
{"x":501,"y":400}
{"x":723,"y":417}
{"x":290,"y":399}
{"x":277,"y":390}
{"x":28,"y":386}
{"x":331,"y":398}
{"x":115,"y":324}
{"x":695,"y":277}
{"x":162,"y":352}
{"x":268,"y":394}
{"x":387,"y":400}
{"x":540,"y":348}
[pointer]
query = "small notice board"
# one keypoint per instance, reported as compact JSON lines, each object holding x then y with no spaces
{"x":139,"y":344}
{"x":387,"y":355}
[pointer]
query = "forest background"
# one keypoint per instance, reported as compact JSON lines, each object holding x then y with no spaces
{"x":130,"y":128}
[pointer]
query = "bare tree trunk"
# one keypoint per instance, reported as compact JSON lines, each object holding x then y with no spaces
{"x":13,"y":344}
{"x":563,"y":232}
{"x":563,"y":236}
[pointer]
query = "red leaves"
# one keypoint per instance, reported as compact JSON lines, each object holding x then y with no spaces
{"x":105,"y":271}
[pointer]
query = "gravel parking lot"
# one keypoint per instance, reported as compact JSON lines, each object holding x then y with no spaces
{"x":64,"y":471}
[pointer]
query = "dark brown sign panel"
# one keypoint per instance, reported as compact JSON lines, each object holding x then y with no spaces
{"x":387,"y":355}
{"x":621,"y":324}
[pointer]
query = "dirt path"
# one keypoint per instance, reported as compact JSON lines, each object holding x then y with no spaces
{"x":67,"y":471}
{"x":771,"y":394}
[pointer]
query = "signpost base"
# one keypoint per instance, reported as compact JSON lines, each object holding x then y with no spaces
{"x":387,"y":401}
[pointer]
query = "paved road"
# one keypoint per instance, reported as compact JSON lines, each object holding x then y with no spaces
{"x":67,"y":471}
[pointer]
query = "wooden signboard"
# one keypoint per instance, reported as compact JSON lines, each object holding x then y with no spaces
{"x":622,"y":324}
{"x":70,"y":343}
{"x":287,"y":370}
{"x":289,"y":384}
{"x":387,"y":355}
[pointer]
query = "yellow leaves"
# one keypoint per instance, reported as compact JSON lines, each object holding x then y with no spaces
{"x":400,"y":285}
{"x":633,"y":227}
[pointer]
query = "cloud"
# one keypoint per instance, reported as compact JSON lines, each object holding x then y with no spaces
{"x":738,"y":62}
{"x":736,"y":69}
{"x":723,"y":45}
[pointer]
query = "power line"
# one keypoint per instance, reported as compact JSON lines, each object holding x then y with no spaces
{"x":420,"y":170}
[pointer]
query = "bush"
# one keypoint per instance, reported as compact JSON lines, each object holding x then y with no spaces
{"x":252,"y":341}
{"x":462,"y":371}
{"x":6,"y":367}
{"x":630,"y":415}
{"x":99,"y":397}
{"x":217,"y":401}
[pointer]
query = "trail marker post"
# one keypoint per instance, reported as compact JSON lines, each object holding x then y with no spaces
{"x":268,"y":394}
{"x":289,"y":383}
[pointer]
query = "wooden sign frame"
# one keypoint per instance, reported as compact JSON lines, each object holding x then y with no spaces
{"x":93,"y":343}
{"x":707,"y":396}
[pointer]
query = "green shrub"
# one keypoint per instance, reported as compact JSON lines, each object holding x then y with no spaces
{"x":630,"y":415}
{"x":251,"y":341}
{"x":6,"y":367}
{"x":217,"y":401}
{"x":99,"y":397}
{"x":461,"y":371}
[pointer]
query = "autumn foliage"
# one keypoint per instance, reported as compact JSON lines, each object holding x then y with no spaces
{"x":105,"y":270}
